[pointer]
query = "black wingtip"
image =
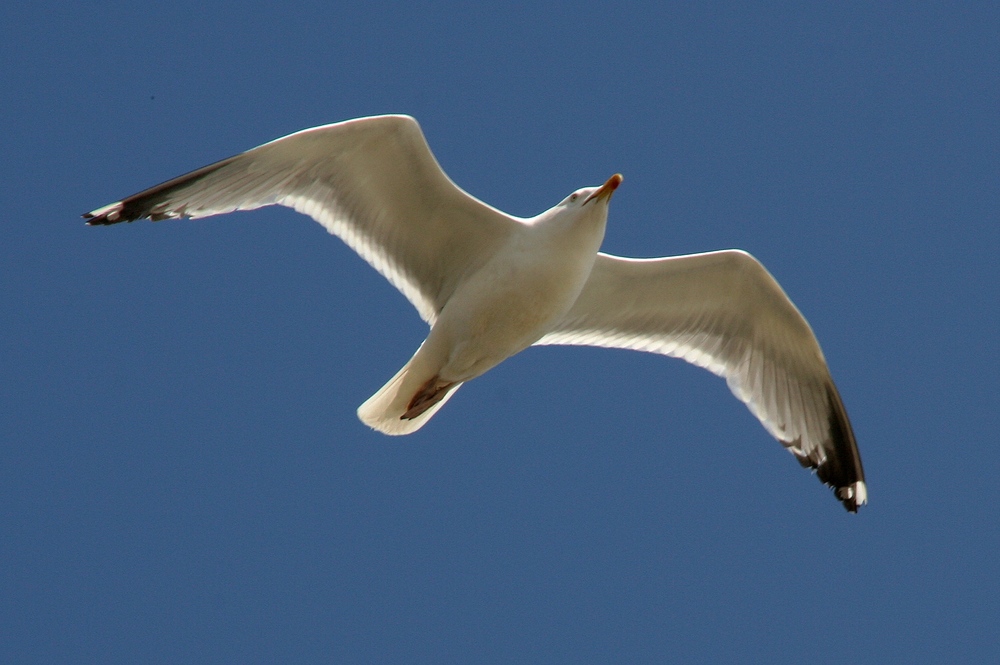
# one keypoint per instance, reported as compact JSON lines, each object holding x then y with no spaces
{"x":842,"y":468}
{"x":149,"y":203}
{"x":109,"y":214}
{"x":853,"y":496}
{"x":93,"y":220}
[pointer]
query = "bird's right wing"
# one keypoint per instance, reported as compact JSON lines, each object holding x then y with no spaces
{"x":723,"y":311}
{"x":372,"y":181}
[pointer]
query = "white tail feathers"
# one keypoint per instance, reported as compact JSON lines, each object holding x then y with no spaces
{"x":383,"y":410}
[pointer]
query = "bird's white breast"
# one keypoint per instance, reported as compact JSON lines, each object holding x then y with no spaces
{"x":514,"y":299}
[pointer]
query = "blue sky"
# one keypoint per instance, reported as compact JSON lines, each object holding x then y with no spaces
{"x":183,"y":478}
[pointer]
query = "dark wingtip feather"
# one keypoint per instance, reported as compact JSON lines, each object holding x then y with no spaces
{"x":141,"y":205}
{"x":842,"y":468}
{"x":99,"y":218}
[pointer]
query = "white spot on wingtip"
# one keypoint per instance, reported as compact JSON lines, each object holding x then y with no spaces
{"x":857,"y":491}
{"x":111,"y":211}
{"x":860,"y":493}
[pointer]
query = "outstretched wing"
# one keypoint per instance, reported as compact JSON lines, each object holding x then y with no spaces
{"x":372,"y":181}
{"x":723,"y":311}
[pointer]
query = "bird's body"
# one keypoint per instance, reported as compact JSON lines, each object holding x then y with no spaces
{"x":500,"y":310}
{"x":508,"y":304}
{"x":490,"y":284}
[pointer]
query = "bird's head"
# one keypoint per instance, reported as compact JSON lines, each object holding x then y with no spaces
{"x":592,"y":197}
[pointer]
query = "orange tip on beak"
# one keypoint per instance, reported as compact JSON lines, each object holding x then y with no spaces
{"x":607,"y":189}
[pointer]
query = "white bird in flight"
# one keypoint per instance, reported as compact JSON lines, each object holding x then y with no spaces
{"x":490,"y":284}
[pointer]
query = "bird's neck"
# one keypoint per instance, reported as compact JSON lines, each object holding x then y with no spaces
{"x":585,"y":232}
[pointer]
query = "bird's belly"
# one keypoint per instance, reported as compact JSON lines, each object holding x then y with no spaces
{"x":501,"y":313}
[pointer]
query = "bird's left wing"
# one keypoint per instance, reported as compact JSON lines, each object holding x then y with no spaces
{"x":723,"y":311}
{"x":371,"y":181}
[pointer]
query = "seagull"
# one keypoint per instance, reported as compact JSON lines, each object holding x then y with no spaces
{"x":490,"y":285}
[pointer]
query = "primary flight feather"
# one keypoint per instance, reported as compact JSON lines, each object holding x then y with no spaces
{"x":490,"y":284}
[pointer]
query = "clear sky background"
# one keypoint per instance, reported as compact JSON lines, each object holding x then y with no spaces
{"x":182,"y":475}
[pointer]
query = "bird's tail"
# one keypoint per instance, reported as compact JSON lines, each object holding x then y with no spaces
{"x":384,"y":410}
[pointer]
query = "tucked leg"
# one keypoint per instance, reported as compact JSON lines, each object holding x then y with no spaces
{"x":432,"y":392}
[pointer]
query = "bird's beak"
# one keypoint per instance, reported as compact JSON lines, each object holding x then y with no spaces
{"x":607,"y":189}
